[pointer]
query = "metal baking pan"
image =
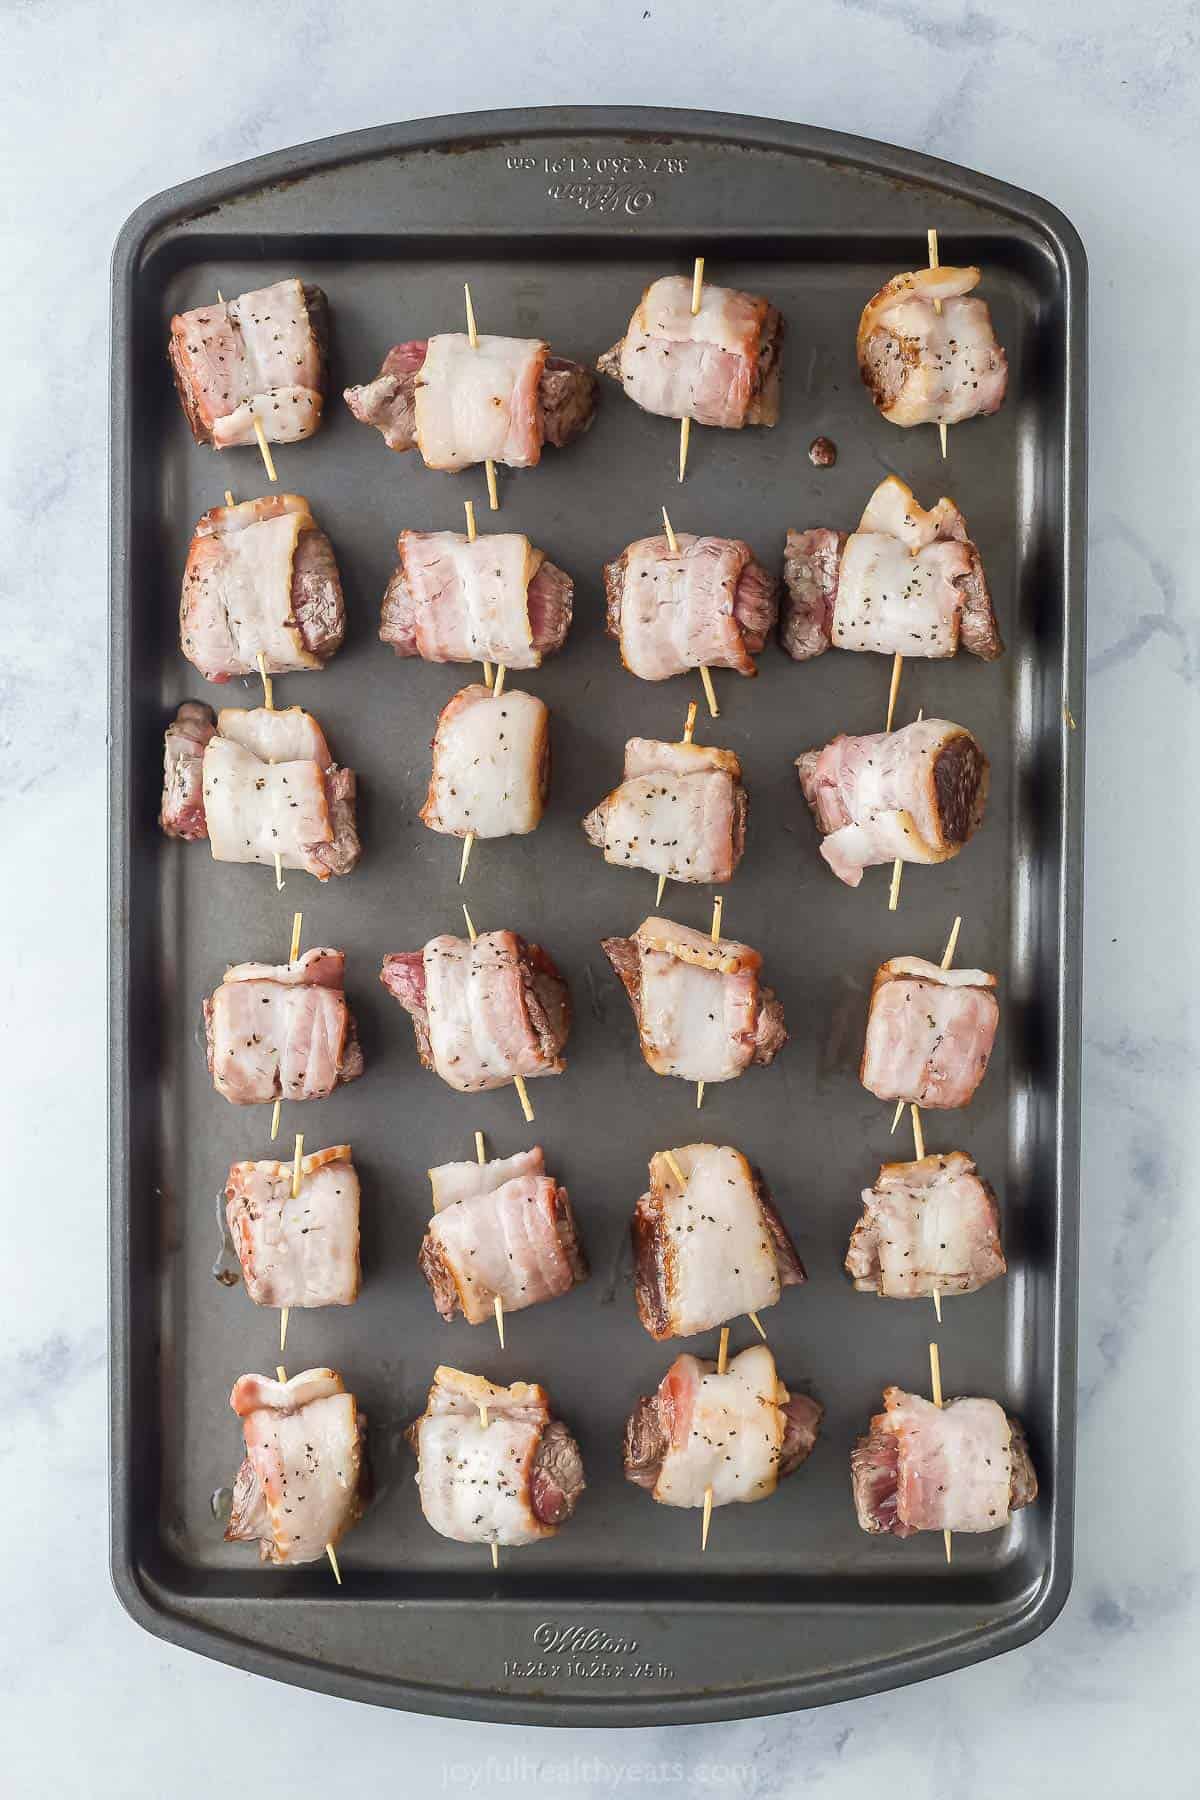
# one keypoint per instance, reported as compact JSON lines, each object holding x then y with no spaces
{"x":559,"y":218}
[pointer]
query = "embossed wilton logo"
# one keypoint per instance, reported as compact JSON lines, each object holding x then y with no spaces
{"x":580,"y":1640}
{"x":603,"y":196}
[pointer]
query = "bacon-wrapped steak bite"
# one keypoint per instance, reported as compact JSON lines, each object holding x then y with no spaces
{"x":679,"y":812}
{"x":709,"y":1248}
{"x":282,"y":1033}
{"x":490,"y":599}
{"x":964,"y":1466}
{"x":261,"y":579}
{"x":297,"y":1249}
{"x":708,"y":602}
{"x":299,"y":1488}
{"x":482,"y":1012}
{"x":928,"y":1227}
{"x":907,"y":582}
{"x":926,"y":364}
{"x":491,"y":764}
{"x":718,"y":366}
{"x":269,"y":787}
{"x":511,"y":1237}
{"x":701,"y":1011}
{"x":509,"y":1482}
{"x":916,"y":794}
{"x":930,"y":1032}
{"x":260,"y":356}
{"x":737,"y":1433}
{"x":458,"y":404}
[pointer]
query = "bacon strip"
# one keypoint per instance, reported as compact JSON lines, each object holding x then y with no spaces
{"x":917,"y":794}
{"x":735,"y":1433}
{"x":928,"y":1227}
{"x":719,"y":366}
{"x":268,"y":786}
{"x":483,"y":1012}
{"x":260,"y":578}
{"x":495,"y":599}
{"x":282,"y":1032}
{"x":452,"y":1182}
{"x":491,"y":764}
{"x":907,"y":582}
{"x":701,"y":1012}
{"x":706,"y":603}
{"x":961,"y":1467}
{"x":515,"y":1242}
{"x":297,"y":1249}
{"x":680,"y":812}
{"x":710,"y":1248}
{"x":927,"y":364}
{"x":566,"y":396}
{"x":930,"y":1032}
{"x":259,"y":356}
{"x":299,"y":1487}
{"x":513,"y":1481}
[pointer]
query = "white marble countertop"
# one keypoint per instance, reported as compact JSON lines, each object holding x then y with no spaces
{"x":1097,"y":108}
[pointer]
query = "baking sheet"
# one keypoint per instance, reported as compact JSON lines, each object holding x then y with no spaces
{"x":559,"y":219}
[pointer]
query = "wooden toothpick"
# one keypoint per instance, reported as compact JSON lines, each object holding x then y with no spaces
{"x":268,"y":684}
{"x":897,"y":666}
{"x":710,"y":693}
{"x":489,"y":466}
{"x":263,"y":446}
{"x":685,"y":424}
{"x":935,"y":1380}
{"x":932,"y":239}
{"x":498,"y":1309}
{"x":480,"y":1150}
{"x":952,"y":942}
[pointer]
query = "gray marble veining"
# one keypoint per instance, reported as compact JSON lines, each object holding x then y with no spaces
{"x":1097,"y":109}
